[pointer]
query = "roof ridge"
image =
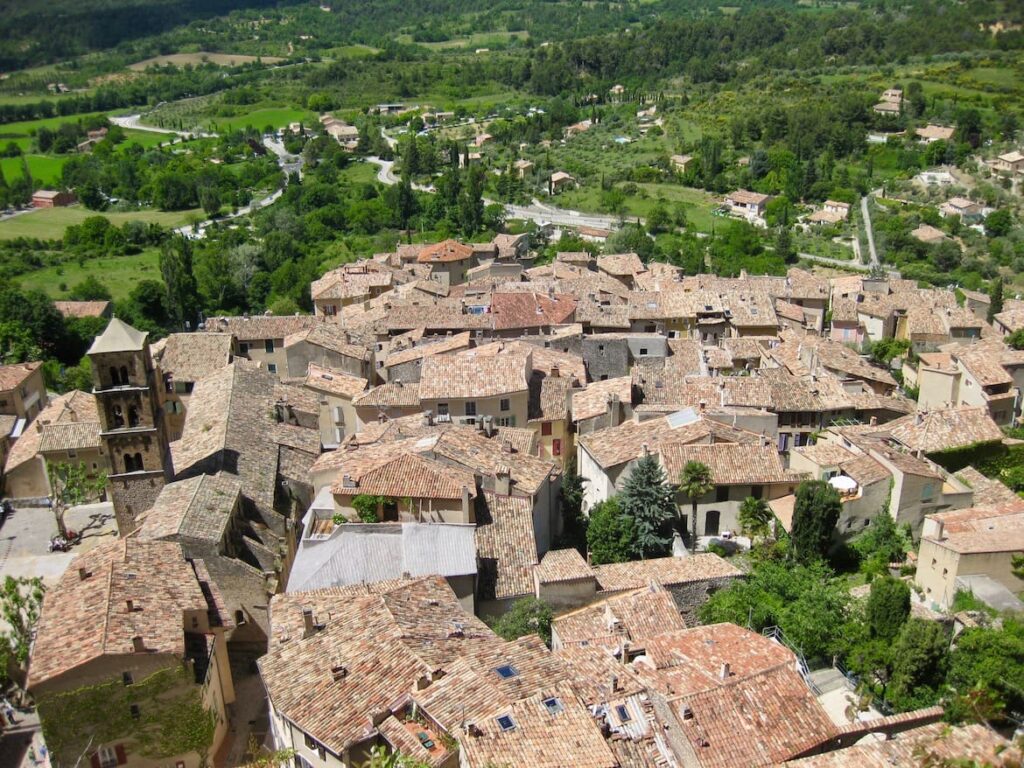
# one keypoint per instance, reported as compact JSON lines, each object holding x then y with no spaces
{"x":191,"y":501}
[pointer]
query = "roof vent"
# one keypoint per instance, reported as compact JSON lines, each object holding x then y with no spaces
{"x":339,"y":672}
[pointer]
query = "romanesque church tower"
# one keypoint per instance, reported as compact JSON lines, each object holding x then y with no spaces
{"x":134,"y":435}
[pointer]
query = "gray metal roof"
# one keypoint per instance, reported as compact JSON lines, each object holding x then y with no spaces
{"x":364,"y":553}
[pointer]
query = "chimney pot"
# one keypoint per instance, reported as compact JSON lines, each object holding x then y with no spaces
{"x":83,"y":574}
{"x":725,"y":672}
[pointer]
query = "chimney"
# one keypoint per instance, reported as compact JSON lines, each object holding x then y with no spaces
{"x":339,"y":672}
{"x":348,"y":482}
{"x":506,"y":446}
{"x":614,"y":683}
{"x":381,"y":418}
{"x":428,"y":418}
{"x":645,"y":450}
{"x":725,"y":671}
{"x":919,"y":418}
{"x":138,"y":646}
{"x":874,"y":421}
{"x":308,"y":625}
{"x":555,"y":372}
{"x":614,"y":411}
{"x":83,"y":574}
{"x":503,"y":480}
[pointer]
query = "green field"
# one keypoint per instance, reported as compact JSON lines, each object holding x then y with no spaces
{"x":119,"y":273}
{"x":21,"y":133}
{"x":699,"y":204}
{"x":44,"y":168}
{"x":477,"y":40}
{"x":202,"y":57}
{"x":278,"y":117}
{"x":50,"y":223}
{"x":359,"y":173}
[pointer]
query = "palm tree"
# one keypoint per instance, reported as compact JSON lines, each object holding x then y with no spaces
{"x":695,"y":481}
{"x":755,"y":518}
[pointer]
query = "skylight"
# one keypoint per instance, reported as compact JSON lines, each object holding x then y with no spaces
{"x":506,"y":723}
{"x":553,"y":706}
{"x":506,"y":671}
{"x":623,"y":713}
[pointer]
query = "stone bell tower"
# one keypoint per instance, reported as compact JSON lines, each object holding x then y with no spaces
{"x":134,"y":436}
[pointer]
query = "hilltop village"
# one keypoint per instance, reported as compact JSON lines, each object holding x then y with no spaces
{"x":335,"y":518}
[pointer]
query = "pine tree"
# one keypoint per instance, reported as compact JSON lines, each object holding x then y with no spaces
{"x":648,"y":499}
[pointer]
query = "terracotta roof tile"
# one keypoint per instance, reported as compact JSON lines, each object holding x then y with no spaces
{"x":633,"y":616}
{"x":667,"y":571}
{"x":730,"y":463}
{"x":334,"y":381}
{"x":560,"y":565}
{"x":469,"y":376}
{"x":506,"y":548}
{"x":132,"y":589}
{"x":944,"y":429}
{"x":12,"y":376}
{"x":193,"y":356}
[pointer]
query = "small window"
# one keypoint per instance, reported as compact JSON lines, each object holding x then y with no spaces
{"x":757,"y":491}
{"x":505,"y":671}
{"x":643,"y":351}
{"x":722,"y":493}
{"x":556,"y":447}
{"x":471,"y":408}
{"x":622,"y":713}
{"x":135,"y":711}
{"x":127,"y":679}
{"x":268,"y":346}
{"x":604,"y":377}
{"x":545,"y":428}
{"x":243,"y":349}
{"x":310,"y":742}
{"x":506,"y":723}
{"x":272,"y":368}
{"x":442,"y":409}
{"x":505,"y":404}
{"x":945,"y":571}
{"x":600,"y":347}
{"x":553,"y":706}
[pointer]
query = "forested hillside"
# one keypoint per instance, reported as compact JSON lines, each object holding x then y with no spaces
{"x":37,"y":32}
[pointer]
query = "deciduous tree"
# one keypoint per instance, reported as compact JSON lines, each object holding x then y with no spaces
{"x":815,"y":514}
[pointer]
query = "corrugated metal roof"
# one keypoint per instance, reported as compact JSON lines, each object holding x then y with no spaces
{"x":366,"y":553}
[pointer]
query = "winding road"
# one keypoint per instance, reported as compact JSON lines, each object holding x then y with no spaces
{"x":536,"y":211}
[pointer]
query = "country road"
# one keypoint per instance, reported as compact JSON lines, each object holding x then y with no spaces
{"x":289,"y":164}
{"x":536,"y":211}
{"x":134,"y":122}
{"x":866,"y":215}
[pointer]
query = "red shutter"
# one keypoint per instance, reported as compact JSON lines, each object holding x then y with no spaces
{"x":556,"y":447}
{"x":95,"y":760}
{"x":121,"y":757}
